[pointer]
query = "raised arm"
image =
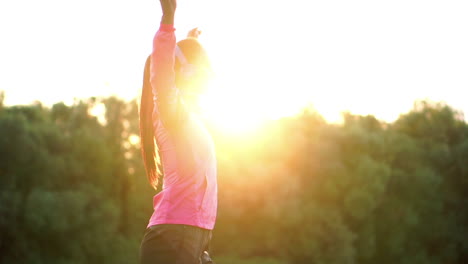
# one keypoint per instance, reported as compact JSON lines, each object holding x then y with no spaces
{"x":162,"y":75}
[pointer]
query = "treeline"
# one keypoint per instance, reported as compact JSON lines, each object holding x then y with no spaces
{"x":298,"y":190}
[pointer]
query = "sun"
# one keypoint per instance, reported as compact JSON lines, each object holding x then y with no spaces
{"x":241,"y":110}
{"x":256,"y":84}
{"x":231,"y":112}
{"x":249,"y":88}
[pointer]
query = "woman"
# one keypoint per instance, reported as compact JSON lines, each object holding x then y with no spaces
{"x":179,"y":230}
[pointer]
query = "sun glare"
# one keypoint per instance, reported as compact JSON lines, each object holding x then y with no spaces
{"x":241,"y":99}
{"x":230,"y":113}
{"x":243,"y":107}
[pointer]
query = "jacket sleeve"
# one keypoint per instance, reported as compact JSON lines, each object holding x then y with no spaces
{"x":162,"y":77}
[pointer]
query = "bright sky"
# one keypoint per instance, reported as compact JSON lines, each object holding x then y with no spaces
{"x":271,"y":57}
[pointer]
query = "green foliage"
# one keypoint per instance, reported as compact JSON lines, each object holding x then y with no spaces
{"x":254,"y":260}
{"x":60,"y":193}
{"x":73,"y":189}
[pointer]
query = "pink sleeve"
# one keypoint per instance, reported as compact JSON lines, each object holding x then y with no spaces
{"x":162,"y":75}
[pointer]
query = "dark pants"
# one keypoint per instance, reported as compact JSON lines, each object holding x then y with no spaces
{"x":175,"y":244}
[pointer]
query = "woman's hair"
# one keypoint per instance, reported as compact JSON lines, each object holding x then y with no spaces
{"x":148,"y":148}
{"x":196,"y":56}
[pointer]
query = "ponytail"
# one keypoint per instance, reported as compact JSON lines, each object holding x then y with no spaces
{"x":148,"y":147}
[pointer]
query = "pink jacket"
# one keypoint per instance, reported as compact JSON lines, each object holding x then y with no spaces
{"x":189,"y":193}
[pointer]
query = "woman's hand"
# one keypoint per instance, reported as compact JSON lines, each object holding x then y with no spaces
{"x":194,"y":33}
{"x":168,"y":9}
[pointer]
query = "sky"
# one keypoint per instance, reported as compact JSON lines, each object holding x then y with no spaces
{"x":271,"y":57}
